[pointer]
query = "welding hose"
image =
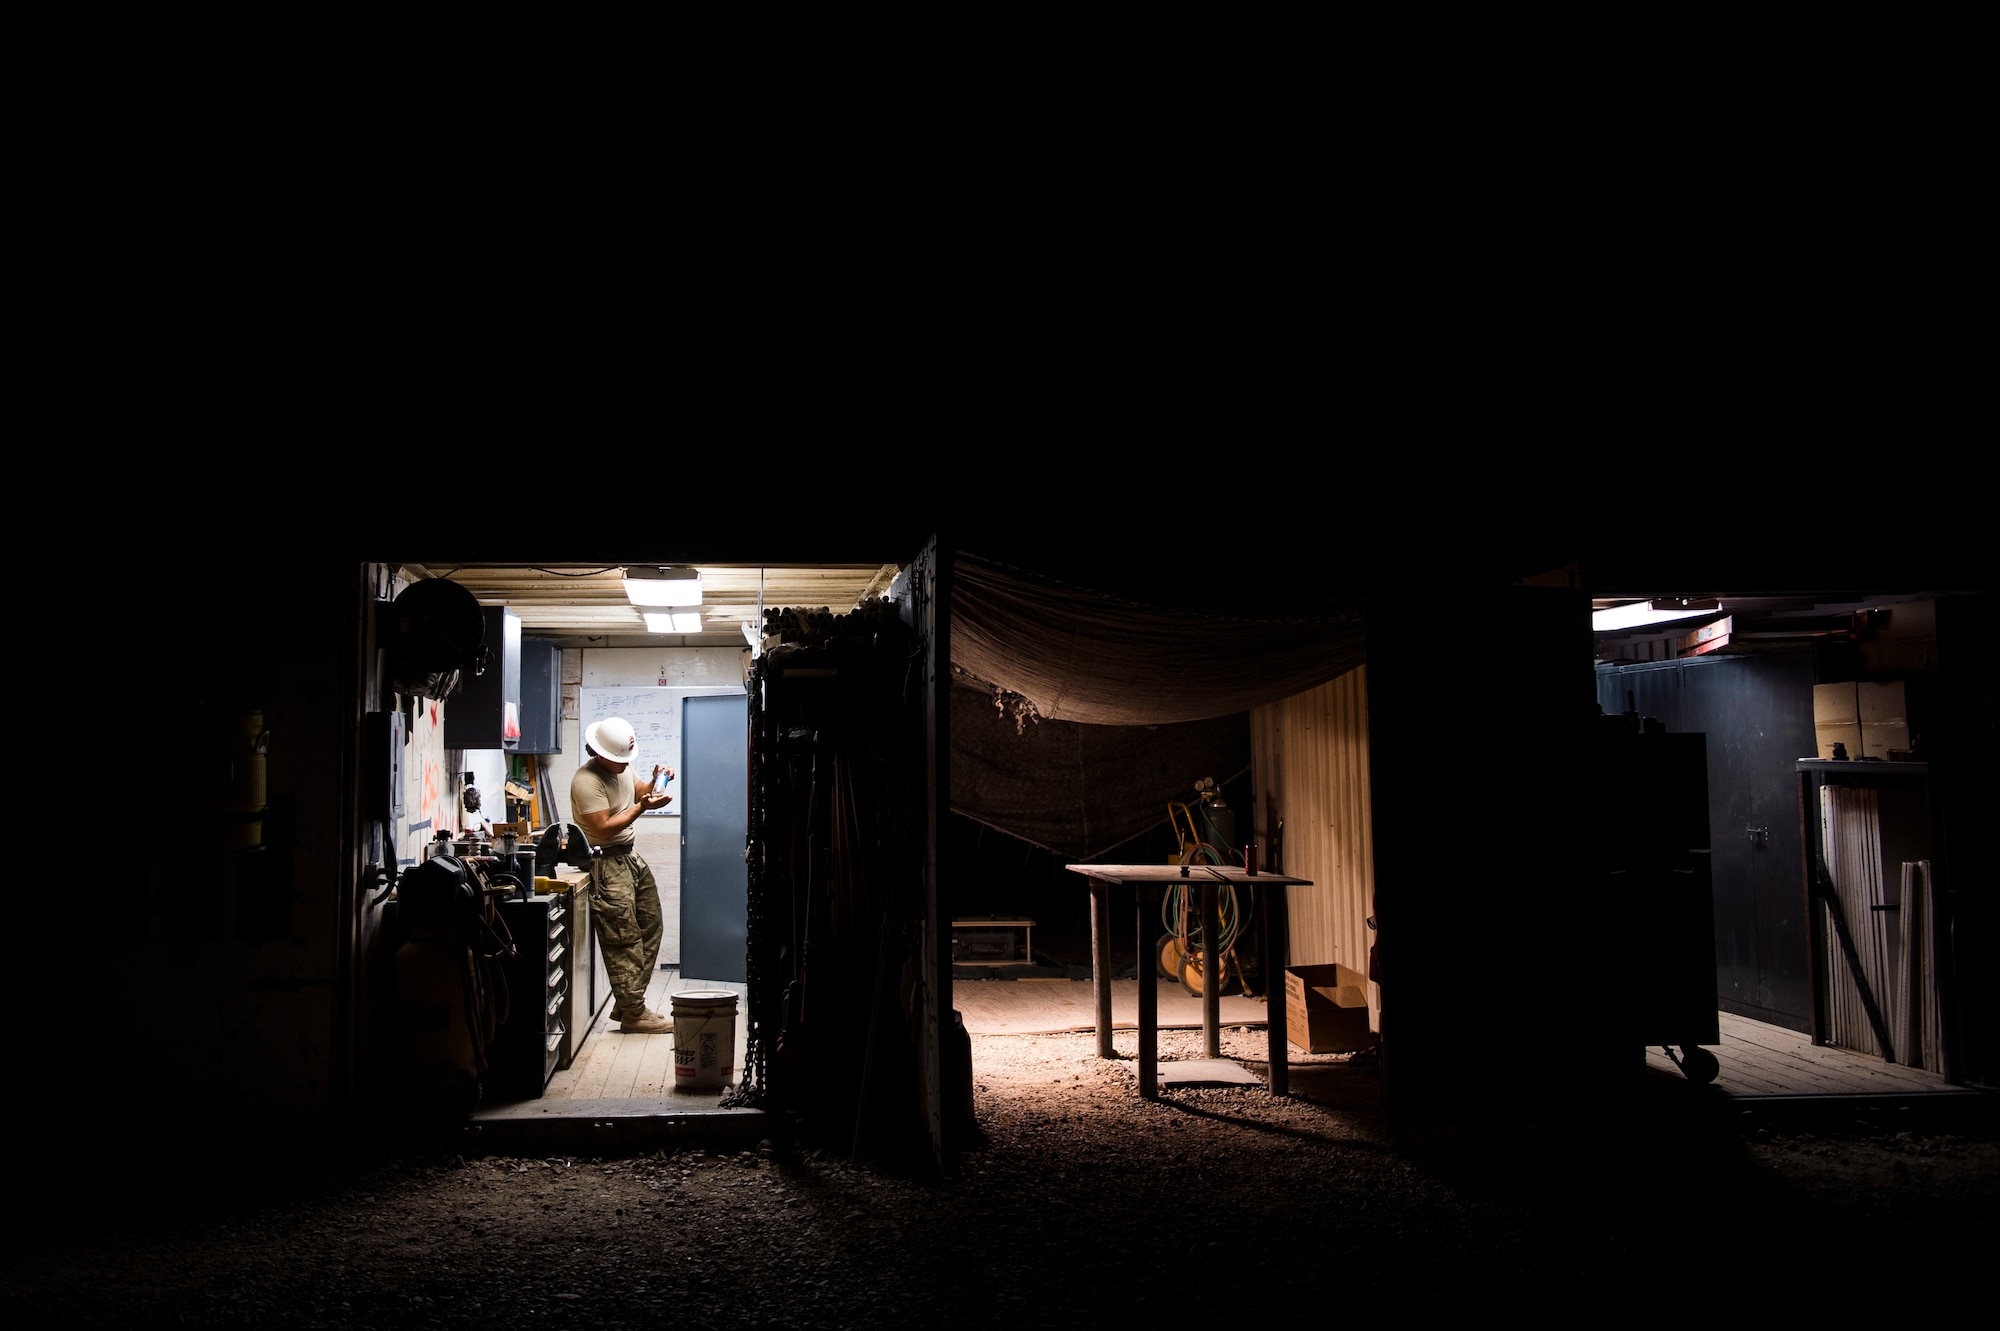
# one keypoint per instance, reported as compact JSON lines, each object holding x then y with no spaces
{"x":1173,"y":904}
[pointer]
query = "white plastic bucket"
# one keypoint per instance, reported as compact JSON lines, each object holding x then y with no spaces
{"x":704,"y":1039}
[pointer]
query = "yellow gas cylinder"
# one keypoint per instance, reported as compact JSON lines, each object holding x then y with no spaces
{"x":232,"y":788}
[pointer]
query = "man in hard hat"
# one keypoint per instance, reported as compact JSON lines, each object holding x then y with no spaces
{"x":624,"y":899}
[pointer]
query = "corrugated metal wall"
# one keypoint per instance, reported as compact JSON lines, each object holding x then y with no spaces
{"x":1309,"y":757}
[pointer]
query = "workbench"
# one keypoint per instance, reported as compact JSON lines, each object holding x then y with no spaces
{"x":1149,"y":883}
{"x":972,"y":937}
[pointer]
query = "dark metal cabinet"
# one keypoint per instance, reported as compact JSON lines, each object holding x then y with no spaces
{"x":1756,"y":715}
{"x":541,"y":696}
{"x":1651,"y":821}
{"x":485,"y":712}
{"x":529,"y":1045}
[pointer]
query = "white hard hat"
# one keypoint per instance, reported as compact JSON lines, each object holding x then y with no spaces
{"x":613,"y":739}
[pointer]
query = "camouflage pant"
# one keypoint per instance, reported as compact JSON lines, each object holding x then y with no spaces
{"x":625,"y":916}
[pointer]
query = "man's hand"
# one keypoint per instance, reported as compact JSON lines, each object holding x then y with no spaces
{"x":654,"y":799}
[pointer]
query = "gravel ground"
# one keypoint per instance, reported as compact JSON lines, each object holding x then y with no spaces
{"x":1083,"y":1206}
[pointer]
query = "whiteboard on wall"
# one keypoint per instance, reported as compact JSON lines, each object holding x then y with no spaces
{"x":655,"y":715}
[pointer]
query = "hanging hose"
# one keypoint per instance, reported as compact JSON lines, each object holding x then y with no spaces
{"x":1181,"y":918}
{"x":1187,"y":951}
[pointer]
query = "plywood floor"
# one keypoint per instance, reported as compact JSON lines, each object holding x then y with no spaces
{"x":1756,"y":1060}
{"x":612,"y":1066}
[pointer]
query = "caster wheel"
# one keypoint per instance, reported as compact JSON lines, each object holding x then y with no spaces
{"x":1190,"y":974}
{"x":1698,"y":1064}
{"x":1195,"y":980}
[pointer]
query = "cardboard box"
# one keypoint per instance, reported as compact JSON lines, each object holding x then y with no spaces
{"x":1326,"y":1009}
{"x":1836,"y":719}
{"x":1868,"y":717}
{"x":1885,"y":720}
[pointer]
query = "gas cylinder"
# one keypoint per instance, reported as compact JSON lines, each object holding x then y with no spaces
{"x":1221,"y":826}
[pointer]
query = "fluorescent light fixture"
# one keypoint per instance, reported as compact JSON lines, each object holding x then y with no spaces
{"x":1641,"y":613}
{"x":673,"y":621}
{"x":662,"y":586}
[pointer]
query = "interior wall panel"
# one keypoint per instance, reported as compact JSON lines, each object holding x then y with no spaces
{"x":1309,"y":756}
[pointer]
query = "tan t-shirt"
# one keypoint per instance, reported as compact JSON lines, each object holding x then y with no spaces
{"x":594,"y":790}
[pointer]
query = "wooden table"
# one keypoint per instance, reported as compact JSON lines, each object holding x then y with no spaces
{"x":1149,"y":883}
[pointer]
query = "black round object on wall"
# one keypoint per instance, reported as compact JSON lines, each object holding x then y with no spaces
{"x":435,"y":635}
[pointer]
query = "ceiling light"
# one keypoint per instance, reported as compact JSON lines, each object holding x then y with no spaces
{"x":662,"y":586}
{"x":673,"y":621}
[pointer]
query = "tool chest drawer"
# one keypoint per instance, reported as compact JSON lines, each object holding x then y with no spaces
{"x":529,"y":1046}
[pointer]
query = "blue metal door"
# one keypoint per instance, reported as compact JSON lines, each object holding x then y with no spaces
{"x":715,"y":825}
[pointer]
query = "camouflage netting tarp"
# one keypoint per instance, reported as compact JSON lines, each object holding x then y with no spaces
{"x":1076,"y":715}
{"x":1079,"y":790}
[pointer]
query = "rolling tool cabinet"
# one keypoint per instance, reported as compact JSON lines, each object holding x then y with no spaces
{"x":532,"y":1042}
